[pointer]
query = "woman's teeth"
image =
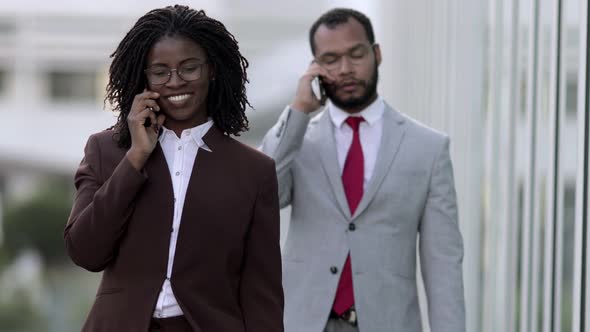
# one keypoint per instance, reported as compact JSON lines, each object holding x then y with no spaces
{"x":179,"y":98}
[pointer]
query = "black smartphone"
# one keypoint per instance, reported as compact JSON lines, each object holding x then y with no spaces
{"x":147,"y":123}
{"x":317,"y":86}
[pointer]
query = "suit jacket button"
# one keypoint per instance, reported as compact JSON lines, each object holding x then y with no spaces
{"x":351,"y":227}
{"x":334,"y":270}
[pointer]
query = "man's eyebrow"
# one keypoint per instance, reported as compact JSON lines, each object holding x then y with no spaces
{"x":353,"y":48}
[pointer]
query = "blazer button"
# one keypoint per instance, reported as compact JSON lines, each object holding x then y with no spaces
{"x":351,"y":227}
{"x":334,"y":270}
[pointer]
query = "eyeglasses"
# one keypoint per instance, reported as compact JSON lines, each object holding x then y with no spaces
{"x":159,"y":74}
{"x":356,"y":56}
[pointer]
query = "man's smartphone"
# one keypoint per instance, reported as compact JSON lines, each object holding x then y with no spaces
{"x":317,"y":86}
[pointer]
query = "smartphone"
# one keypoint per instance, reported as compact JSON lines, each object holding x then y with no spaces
{"x":148,"y":121}
{"x":317,"y":86}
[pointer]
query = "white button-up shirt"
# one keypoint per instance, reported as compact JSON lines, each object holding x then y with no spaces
{"x":180,"y":153}
{"x":370,"y":132}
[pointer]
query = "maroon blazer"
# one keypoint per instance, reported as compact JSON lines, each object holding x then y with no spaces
{"x":227,"y":267}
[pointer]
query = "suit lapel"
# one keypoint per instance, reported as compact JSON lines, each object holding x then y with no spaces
{"x":329,"y":161}
{"x":157,"y":167}
{"x":162,"y":200}
{"x":205,"y":171}
{"x":205,"y":164}
{"x":391,"y":138}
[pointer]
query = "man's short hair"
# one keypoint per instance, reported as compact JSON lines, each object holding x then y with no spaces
{"x":339,"y":16}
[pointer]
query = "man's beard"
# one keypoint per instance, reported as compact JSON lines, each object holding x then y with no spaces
{"x":357,"y":103}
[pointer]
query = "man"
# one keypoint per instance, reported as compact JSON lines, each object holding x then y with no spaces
{"x":364,"y":182}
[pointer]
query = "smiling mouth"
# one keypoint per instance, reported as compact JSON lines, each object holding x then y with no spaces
{"x":179,"y":98}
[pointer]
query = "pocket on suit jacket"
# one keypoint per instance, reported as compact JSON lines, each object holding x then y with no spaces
{"x":403,"y":198}
{"x":399,"y":256}
{"x":407,"y":183}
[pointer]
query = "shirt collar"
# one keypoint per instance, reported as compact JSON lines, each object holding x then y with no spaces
{"x":372,"y":113}
{"x":196,"y":134}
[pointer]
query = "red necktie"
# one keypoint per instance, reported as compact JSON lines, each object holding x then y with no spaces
{"x":352,"y":179}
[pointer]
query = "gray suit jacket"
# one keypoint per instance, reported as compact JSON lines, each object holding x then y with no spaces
{"x":411,"y":193}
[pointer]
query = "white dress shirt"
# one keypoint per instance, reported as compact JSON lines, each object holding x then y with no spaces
{"x":370,"y":132}
{"x":180,"y":156}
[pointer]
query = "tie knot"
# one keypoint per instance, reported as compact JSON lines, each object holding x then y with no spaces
{"x":354,"y":122}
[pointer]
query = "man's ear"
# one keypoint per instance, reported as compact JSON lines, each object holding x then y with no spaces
{"x":377,"y":51}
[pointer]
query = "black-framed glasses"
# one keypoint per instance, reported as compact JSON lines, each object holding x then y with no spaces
{"x":356,"y":56}
{"x":160,"y":74}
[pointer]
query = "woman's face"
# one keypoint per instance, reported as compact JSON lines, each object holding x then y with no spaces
{"x":183,"y":98}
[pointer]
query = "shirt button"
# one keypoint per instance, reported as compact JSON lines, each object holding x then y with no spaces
{"x":179,"y":148}
{"x":177,"y":173}
{"x":351,"y":227}
{"x":174,"y":199}
{"x":334,"y":270}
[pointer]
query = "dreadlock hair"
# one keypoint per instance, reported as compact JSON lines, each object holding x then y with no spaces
{"x":226,"y":100}
{"x":339,"y":16}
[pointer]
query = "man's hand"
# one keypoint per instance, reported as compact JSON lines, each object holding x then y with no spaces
{"x":305,"y":100}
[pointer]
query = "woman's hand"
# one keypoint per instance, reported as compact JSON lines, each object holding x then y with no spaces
{"x":144,"y":139}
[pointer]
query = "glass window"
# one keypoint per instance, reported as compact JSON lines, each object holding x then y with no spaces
{"x":7,"y":27}
{"x":567,"y":273}
{"x":571,"y":97}
{"x":74,"y":86}
{"x":3,"y":78}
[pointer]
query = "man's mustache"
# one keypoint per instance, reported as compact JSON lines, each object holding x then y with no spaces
{"x":337,"y":85}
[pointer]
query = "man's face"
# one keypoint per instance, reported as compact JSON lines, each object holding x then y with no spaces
{"x":347,"y":54}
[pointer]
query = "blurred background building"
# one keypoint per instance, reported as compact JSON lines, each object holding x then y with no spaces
{"x":506,"y":79}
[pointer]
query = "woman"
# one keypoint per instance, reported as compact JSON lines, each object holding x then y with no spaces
{"x":182,"y":219}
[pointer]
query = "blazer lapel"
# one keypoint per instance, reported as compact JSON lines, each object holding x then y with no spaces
{"x":205,"y":170}
{"x":162,"y":200}
{"x":329,"y":161}
{"x":158,"y":168}
{"x":393,"y":134}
